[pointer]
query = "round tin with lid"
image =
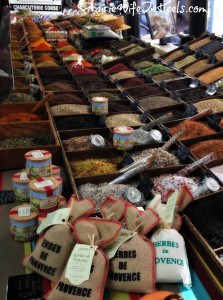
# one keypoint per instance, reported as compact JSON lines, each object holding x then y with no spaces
{"x":55,"y":170}
{"x":123,"y":138}
{"x":155,"y":136}
{"x":20,"y":182}
{"x":99,"y":105}
{"x":23,"y":223}
{"x":38,"y":163}
{"x":44,"y":193}
{"x":97,"y":140}
{"x":133,"y":195}
{"x":212,"y":184}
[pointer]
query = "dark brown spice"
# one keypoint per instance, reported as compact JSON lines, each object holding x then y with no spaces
{"x":193,"y":94}
{"x":212,"y":47}
{"x":132,"y":82}
{"x":66,"y":98}
{"x":117,"y":68}
{"x":78,"y":122}
{"x":145,"y":90}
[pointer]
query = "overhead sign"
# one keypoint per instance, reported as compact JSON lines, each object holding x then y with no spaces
{"x":36,"y":5}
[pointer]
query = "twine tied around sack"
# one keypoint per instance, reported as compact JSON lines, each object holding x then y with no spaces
{"x":92,"y":240}
{"x":110,"y":217}
{"x":137,"y":227}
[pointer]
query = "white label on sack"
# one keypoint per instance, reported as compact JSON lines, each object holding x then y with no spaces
{"x":23,"y":176}
{"x":37,"y":154}
{"x":24,"y":211}
{"x":170,"y":208}
{"x":79,"y":264}
{"x":43,"y":184}
{"x":123,"y":236}
{"x":58,"y":217}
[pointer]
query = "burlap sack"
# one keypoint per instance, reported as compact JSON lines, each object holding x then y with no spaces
{"x":80,"y":208}
{"x":171,"y":258}
{"x":94,"y":287}
{"x":50,"y":256}
{"x":184,"y":199}
{"x":132,"y":269}
{"x":112,"y":209}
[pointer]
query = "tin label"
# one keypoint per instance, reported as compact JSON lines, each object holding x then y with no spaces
{"x":24,"y":211}
{"x":37,"y":154}
{"x":23,"y":176}
{"x":43,"y":183}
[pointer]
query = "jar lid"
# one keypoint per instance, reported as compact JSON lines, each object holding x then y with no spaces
{"x":21,"y":178}
{"x":14,"y":214}
{"x":45,"y":184}
{"x":55,"y":170}
{"x":212,"y":184}
{"x":99,"y":99}
{"x":133,"y":195}
{"x":38,"y":155}
{"x":156,"y":135}
{"x":123,"y":130}
{"x":97,"y":140}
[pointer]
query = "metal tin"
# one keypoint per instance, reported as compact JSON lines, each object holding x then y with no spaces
{"x":133,"y":195}
{"x":212,"y":184}
{"x":155,"y":136}
{"x":38,"y":163}
{"x":97,"y":140}
{"x":123,"y":138}
{"x":20,"y":183}
{"x":99,"y":106}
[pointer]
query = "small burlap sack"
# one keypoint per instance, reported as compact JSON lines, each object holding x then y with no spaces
{"x":51,"y":253}
{"x":53,"y":249}
{"x":184,"y":199}
{"x":132,"y":269}
{"x":93,"y":288}
{"x":171,"y":258}
{"x":112,"y":209}
{"x":80,"y":208}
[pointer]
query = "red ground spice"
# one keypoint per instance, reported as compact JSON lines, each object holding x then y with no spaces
{"x":117,"y":68}
{"x":69,"y":52}
{"x":42,"y":47}
{"x":83,"y":71}
{"x":203,"y":148}
{"x":192,"y":129}
{"x":62,"y":44}
{"x":44,"y":57}
{"x":20,"y":117}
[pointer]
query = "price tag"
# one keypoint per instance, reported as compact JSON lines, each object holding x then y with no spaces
{"x":165,"y":133}
{"x":114,"y":83}
{"x":186,"y":48}
{"x":183,"y":153}
{"x":37,"y":154}
{"x":23,"y":176}
{"x":127,"y":160}
{"x":190,"y":111}
{"x":79,"y":264}
{"x":138,"y":72}
{"x":124,"y":94}
{"x":144,"y":116}
{"x":158,"y":61}
{"x":58,"y":217}
{"x":134,"y":104}
{"x":7,"y":197}
{"x":199,"y":53}
{"x":43,"y":184}
{"x":24,"y":211}
{"x":170,"y":208}
{"x":176,"y":96}
{"x":149,"y":78}
{"x":212,"y":36}
{"x":212,"y":59}
{"x":170,"y":64}
{"x":214,"y":122}
{"x":123,"y":129}
{"x":145,"y":186}
{"x":163,"y":84}
{"x":123,"y":236}
{"x":181,"y":73}
{"x":101,"y":120}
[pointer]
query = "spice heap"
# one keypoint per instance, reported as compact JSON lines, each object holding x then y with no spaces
{"x":69,"y":109}
{"x":156,"y":69}
{"x":132,"y":82}
{"x":212,"y":75}
{"x":156,"y":102}
{"x":219,"y":55}
{"x":120,"y":120}
{"x":111,"y":96}
{"x":115,"y":106}
{"x":7,"y":143}
{"x":20,"y":117}
{"x":192,"y":129}
{"x":204,"y":148}
{"x":21,"y":85}
{"x":16,"y":55}
{"x":145,"y":90}
{"x":143,"y":64}
{"x":187,"y":60}
{"x":197,"y":67}
{"x":194,"y":94}
{"x":215,"y":104}
{"x":200,"y":43}
{"x":93,"y":166}
{"x":81,"y":71}
{"x":19,"y":72}
{"x":80,"y":143}
{"x":207,"y":218}
{"x":19,"y":97}
{"x":44,"y":57}
{"x":134,"y":50}
{"x":98,"y":193}
{"x":212,"y":47}
{"x":178,"y":85}
{"x":98,"y":85}
{"x":165,"y":76}
{"x":119,"y":43}
{"x":78,"y":122}
{"x":60,"y":86}
{"x":177,"y":114}
{"x":66,"y":97}
{"x":52,"y":71}
{"x":166,"y":182}
{"x":123,"y":75}
{"x":46,"y":64}
{"x":84,"y":78}
{"x":117,"y":68}
{"x":174,"y":55}
{"x":17,"y":63}
{"x":163,"y":158}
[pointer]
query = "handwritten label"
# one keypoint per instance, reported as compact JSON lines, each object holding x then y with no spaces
{"x":79,"y":264}
{"x":58,"y":217}
{"x":24,"y":211}
{"x":23,"y":176}
{"x":37,"y":154}
{"x":43,"y":183}
{"x":123,"y":236}
{"x":170,"y":208}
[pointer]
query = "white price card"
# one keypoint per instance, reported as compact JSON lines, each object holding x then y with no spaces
{"x":24,"y":211}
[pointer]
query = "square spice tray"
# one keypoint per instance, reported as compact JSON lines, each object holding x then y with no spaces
{"x":178,"y":111}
